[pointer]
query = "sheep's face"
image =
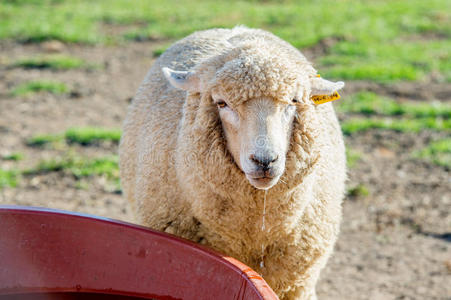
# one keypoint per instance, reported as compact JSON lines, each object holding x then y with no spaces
{"x":257,"y":118}
{"x":258,"y":134}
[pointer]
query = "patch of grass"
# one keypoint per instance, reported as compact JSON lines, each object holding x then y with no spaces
{"x":54,"y":62}
{"x":82,"y":168}
{"x":382,"y":72}
{"x":415,"y":116}
{"x":352,"y":157}
{"x":40,"y":86}
{"x":43,"y":139}
{"x":402,"y":125}
{"x":15,"y":156}
{"x":89,"y":135}
{"x":8,"y":178}
{"x":80,"y":135}
{"x":359,"y":190}
{"x":158,"y":51}
{"x":21,"y":2}
{"x":420,"y":110}
{"x":46,"y":166}
{"x":37,"y":21}
{"x":438,"y":152}
{"x":369,"y":103}
{"x":79,"y":167}
{"x":384,"y":62}
{"x":107,"y":166}
{"x":81,"y":185}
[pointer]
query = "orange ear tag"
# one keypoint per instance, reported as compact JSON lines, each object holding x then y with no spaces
{"x":320,"y":99}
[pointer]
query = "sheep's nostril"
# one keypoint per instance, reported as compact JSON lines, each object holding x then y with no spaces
{"x":264,"y":160}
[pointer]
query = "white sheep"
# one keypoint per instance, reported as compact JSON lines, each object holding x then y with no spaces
{"x":233,"y":135}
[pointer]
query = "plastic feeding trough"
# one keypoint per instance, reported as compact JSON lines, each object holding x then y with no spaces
{"x":50,"y":254}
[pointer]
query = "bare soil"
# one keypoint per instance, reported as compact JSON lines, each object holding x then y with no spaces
{"x":395,"y":243}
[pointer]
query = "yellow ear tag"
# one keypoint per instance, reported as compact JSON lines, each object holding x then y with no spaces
{"x":320,"y":99}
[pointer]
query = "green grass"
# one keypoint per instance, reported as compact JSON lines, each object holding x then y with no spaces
{"x":44,"y":139}
{"x":385,"y":62}
{"x":15,"y":156}
{"x":90,"y":135}
{"x":43,"y":20}
{"x":359,"y":190}
{"x":369,"y":103}
{"x":71,"y":163}
{"x":80,"y":167}
{"x":352,"y":157}
{"x":378,"y":40}
{"x":8,"y":178}
{"x":79,"y":135}
{"x":377,"y":71}
{"x":438,"y":152}
{"x":37,"y":86}
{"x":54,"y":62}
{"x":404,"y":116}
{"x":354,"y":125}
{"x":158,"y":51}
{"x":82,"y":185}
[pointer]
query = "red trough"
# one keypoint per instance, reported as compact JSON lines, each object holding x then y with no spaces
{"x":50,"y":254}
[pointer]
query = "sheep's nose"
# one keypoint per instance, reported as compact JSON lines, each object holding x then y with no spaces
{"x":264,"y":161}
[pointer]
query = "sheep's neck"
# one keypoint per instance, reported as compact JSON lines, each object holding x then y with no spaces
{"x":262,"y":261}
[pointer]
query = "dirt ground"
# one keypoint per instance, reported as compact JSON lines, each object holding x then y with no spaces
{"x":395,"y":243}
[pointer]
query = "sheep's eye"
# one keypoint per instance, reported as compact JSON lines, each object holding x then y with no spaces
{"x":221,"y":104}
{"x":295,"y":100}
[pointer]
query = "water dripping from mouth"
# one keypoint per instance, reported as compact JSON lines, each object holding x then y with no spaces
{"x":264,"y":211}
{"x":262,"y":261}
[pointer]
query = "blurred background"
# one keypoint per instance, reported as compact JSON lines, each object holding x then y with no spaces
{"x":69,"y":68}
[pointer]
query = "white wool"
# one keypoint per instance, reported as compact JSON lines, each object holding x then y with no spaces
{"x":179,"y":176}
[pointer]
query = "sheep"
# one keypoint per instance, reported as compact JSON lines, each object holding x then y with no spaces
{"x":222,"y":145}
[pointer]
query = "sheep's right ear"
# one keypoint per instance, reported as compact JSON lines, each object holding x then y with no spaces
{"x":184,"y":80}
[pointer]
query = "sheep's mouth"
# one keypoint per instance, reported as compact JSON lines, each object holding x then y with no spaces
{"x":262,"y":182}
{"x":262,"y":178}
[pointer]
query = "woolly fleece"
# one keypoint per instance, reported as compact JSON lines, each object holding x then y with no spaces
{"x":180,"y":178}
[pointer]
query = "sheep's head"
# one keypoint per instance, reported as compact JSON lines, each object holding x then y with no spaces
{"x":257,"y":96}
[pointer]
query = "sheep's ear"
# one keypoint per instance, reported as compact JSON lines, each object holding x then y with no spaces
{"x":324,"y":87}
{"x":184,"y":80}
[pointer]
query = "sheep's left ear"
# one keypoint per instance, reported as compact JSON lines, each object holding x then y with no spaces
{"x":184,"y":80}
{"x":324,"y":87}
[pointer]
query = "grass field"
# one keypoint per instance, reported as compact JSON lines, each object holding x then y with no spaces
{"x":375,"y":40}
{"x":37,"y":86}
{"x":53,"y":62}
{"x":69,"y":69}
{"x":437,"y":152}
